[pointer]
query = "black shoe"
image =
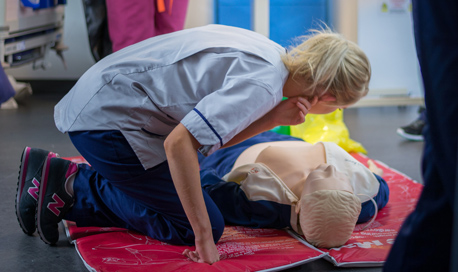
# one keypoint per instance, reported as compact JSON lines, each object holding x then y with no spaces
{"x":28,"y":185}
{"x":53,"y":200}
{"x":413,"y":131}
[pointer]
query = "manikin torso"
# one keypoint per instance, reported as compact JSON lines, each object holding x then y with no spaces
{"x":292,"y":161}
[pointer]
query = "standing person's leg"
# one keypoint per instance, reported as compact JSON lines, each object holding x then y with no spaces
{"x":422,"y":111}
{"x":173,"y":18}
{"x":424,"y":241}
{"x":414,"y":130}
{"x":121,"y":193}
{"x":95,"y":12}
{"x":6,"y":90}
{"x":130,"y":22}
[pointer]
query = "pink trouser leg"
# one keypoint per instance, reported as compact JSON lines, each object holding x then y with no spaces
{"x":130,"y":22}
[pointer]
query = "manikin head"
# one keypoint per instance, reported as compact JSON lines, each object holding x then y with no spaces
{"x":327,"y":63}
{"x":328,"y":209}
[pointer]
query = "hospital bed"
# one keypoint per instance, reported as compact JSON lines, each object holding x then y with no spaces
{"x":29,"y":29}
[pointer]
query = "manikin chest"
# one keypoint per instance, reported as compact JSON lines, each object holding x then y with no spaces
{"x":290,"y":161}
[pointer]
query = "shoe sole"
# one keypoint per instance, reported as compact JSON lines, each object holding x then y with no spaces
{"x":20,"y":187}
{"x":410,"y":137}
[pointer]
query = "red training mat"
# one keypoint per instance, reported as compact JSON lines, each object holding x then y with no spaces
{"x":240,"y":248}
{"x":246,"y":249}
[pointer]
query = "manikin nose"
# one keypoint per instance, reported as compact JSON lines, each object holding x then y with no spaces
{"x":327,"y":170}
{"x":327,"y":167}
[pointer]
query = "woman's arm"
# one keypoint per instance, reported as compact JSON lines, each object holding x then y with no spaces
{"x":181,"y":150}
{"x":289,"y":112}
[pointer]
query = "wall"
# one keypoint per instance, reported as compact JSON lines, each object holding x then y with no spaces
{"x":386,"y":38}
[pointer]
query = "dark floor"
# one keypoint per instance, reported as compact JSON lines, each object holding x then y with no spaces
{"x":32,"y":124}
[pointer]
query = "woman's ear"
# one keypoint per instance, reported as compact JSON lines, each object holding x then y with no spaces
{"x":327,"y":97}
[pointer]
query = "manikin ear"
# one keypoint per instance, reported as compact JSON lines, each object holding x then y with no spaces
{"x":327,"y":98}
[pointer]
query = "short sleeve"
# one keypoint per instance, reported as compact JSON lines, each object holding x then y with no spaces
{"x":221,"y":115}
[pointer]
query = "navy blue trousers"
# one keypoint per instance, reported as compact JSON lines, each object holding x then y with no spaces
{"x":424,"y":240}
{"x":116,"y":191}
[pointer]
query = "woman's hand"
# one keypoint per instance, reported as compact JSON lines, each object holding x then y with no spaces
{"x":292,"y":111}
{"x":289,"y":112}
{"x":205,"y":252}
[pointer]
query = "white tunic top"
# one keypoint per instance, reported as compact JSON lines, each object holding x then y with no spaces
{"x":216,"y":80}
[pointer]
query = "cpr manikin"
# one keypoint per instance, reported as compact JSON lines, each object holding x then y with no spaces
{"x":326,"y":205}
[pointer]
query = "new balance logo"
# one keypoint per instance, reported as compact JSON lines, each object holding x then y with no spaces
{"x":55,"y":206}
{"x":33,"y":191}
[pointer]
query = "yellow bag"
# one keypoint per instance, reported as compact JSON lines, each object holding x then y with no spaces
{"x":326,"y":128}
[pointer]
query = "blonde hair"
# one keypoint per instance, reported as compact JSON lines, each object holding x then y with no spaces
{"x":330,"y":63}
{"x":328,"y":217}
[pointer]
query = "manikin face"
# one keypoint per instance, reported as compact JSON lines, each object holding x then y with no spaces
{"x":326,"y":177}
